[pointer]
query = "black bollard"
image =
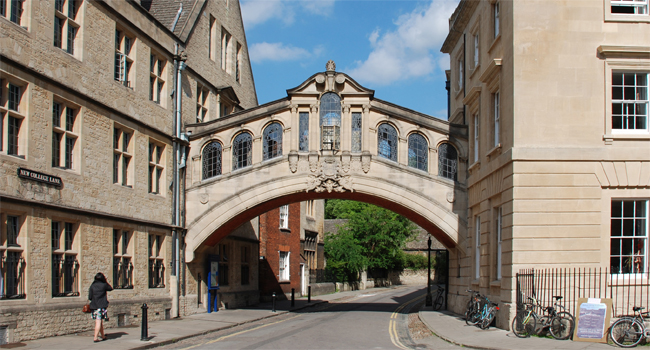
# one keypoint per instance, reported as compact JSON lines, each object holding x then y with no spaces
{"x":144,"y":331}
{"x":273,"y":303}
{"x":293,"y":297}
{"x":309,"y":294}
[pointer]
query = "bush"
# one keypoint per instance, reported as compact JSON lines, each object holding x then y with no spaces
{"x":417,"y":261}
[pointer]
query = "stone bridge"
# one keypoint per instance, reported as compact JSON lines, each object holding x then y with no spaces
{"x":329,"y":138}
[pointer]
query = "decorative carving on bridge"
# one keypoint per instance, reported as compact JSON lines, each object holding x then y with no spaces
{"x":293,"y":161}
{"x":313,"y":162}
{"x":345,"y":163}
{"x":365,"y":161}
{"x":329,"y":178}
{"x":330,"y":66}
{"x":451,"y":196}
{"x":204,"y":197}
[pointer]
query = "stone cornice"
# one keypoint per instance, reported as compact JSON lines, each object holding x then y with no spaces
{"x":457,"y":23}
{"x":472,"y":95}
{"x":491,"y":70}
{"x":609,"y":51}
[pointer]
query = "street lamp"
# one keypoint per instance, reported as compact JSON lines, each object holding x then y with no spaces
{"x":428,"y":300}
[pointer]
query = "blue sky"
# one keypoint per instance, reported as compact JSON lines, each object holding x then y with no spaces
{"x":391,"y":46}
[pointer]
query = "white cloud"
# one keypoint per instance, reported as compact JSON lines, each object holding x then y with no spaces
{"x":278,"y":52}
{"x":409,"y":51}
{"x":256,"y":12}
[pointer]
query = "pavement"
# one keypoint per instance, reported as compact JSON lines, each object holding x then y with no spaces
{"x":447,"y":326}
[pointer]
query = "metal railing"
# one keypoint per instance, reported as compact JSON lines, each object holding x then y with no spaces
{"x":156,"y":273}
{"x":122,"y":273}
{"x":65,"y":273}
{"x":12,"y":285}
{"x":625,"y":290}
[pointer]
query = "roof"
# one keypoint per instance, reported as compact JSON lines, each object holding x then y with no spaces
{"x":165,"y":11}
{"x":457,"y":23}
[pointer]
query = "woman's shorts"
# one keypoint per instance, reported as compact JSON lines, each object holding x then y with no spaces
{"x":99,"y":314}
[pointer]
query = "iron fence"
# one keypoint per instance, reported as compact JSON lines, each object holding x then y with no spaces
{"x":625,"y":290}
{"x":65,"y":272}
{"x":12,"y":284}
{"x":122,"y":273}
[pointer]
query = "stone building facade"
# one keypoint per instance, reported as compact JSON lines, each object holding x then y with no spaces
{"x":87,"y":103}
{"x":555,"y":98}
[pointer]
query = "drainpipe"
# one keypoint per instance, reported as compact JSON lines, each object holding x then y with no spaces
{"x":179,"y":66}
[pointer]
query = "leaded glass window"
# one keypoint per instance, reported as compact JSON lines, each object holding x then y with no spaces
{"x":272,"y":139}
{"x":211,"y":160}
{"x":447,"y":161}
{"x":304,"y":131}
{"x":356,"y":132}
{"x":330,"y":121}
{"x":418,"y":152}
{"x":241,"y":151}
{"x":387,"y":141}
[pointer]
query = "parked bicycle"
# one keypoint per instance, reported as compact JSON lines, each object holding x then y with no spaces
{"x":484,"y":315}
{"x":559,"y":324}
{"x":628,"y":331}
{"x":473,"y":306}
{"x":439,"y":298}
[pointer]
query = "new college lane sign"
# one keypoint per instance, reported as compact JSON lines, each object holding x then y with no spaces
{"x":40,"y":177}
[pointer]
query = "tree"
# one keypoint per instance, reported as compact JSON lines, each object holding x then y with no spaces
{"x":376,"y":234}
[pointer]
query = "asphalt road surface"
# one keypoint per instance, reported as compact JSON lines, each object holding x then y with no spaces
{"x":376,"y":319}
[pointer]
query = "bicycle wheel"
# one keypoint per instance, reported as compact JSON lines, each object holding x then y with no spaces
{"x":473,"y":318}
{"x":524,"y":324}
{"x":626,"y":332}
{"x":437,"y":304}
{"x":562,"y":324}
{"x":487,"y":320}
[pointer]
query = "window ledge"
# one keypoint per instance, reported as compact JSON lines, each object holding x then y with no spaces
{"x":474,"y":166}
{"x":628,"y":280}
{"x":494,"y":43}
{"x":495,"y":283}
{"x":284,"y":229}
{"x":608,"y":138}
{"x":284,"y":281}
{"x":494,"y":151}
{"x":475,"y":282}
{"x":620,"y":17}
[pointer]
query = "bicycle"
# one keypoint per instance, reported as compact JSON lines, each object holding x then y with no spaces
{"x":559,"y":324}
{"x":488,"y":314}
{"x":628,"y":331}
{"x":473,"y":307}
{"x":439,"y":299}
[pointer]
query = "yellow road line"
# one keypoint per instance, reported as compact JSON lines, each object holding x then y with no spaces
{"x":392,"y":327}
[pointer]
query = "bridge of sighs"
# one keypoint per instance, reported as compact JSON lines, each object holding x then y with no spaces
{"x":328,"y":138}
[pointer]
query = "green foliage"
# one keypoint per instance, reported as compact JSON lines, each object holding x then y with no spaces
{"x":417,"y":261}
{"x":372,"y":238}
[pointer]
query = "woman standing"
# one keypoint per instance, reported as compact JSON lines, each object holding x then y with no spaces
{"x":99,"y":304}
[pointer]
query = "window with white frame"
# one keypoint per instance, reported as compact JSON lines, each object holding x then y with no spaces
{"x":212,"y":35}
{"x":156,"y":167}
{"x":272,"y":141}
{"x":65,"y":132}
{"x":495,"y":18}
{"x":211,"y":158}
{"x":284,"y":266}
{"x":202,"y":101}
{"x":497,"y":117}
{"x":65,"y":266}
{"x":499,"y":239}
{"x":156,"y":78}
{"x":330,"y":121}
{"x":238,"y":63}
{"x":477,"y":248}
{"x":13,"y":114}
{"x":12,"y":262}
{"x":476,"y":137}
{"x":629,"y":236}
{"x":242,"y":155}
{"x":13,"y":10}
{"x":124,"y":58}
{"x":476,"y":50}
{"x":284,"y":217}
{"x":66,"y":25}
{"x":629,"y":7}
{"x":122,"y":154}
{"x":630,"y":102}
{"x":122,"y":259}
{"x":461,"y":72}
{"x":310,"y":208}
{"x":156,"y":261}
{"x":225,"y":50}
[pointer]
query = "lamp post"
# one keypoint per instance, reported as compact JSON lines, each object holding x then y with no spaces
{"x":428,"y":300}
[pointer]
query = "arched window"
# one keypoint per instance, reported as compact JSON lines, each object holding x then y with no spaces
{"x":418,"y":152}
{"x":447,"y":161}
{"x":387,"y":141}
{"x":211,"y":160}
{"x":241,"y":151}
{"x":272,"y":141}
{"x":330,"y":121}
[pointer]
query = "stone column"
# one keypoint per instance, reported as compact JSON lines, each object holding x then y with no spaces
{"x":218,"y":114}
{"x":346,"y":128}
{"x":433,"y":160}
{"x":294,"y":134}
{"x":365,"y":127}
{"x":314,"y":129}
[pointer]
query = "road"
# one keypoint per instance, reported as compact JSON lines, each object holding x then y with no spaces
{"x":377,"y":319}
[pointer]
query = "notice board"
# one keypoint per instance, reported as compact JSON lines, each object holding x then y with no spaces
{"x":592,"y":319}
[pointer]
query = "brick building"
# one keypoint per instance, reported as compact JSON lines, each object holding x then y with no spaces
{"x":93,"y":99}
